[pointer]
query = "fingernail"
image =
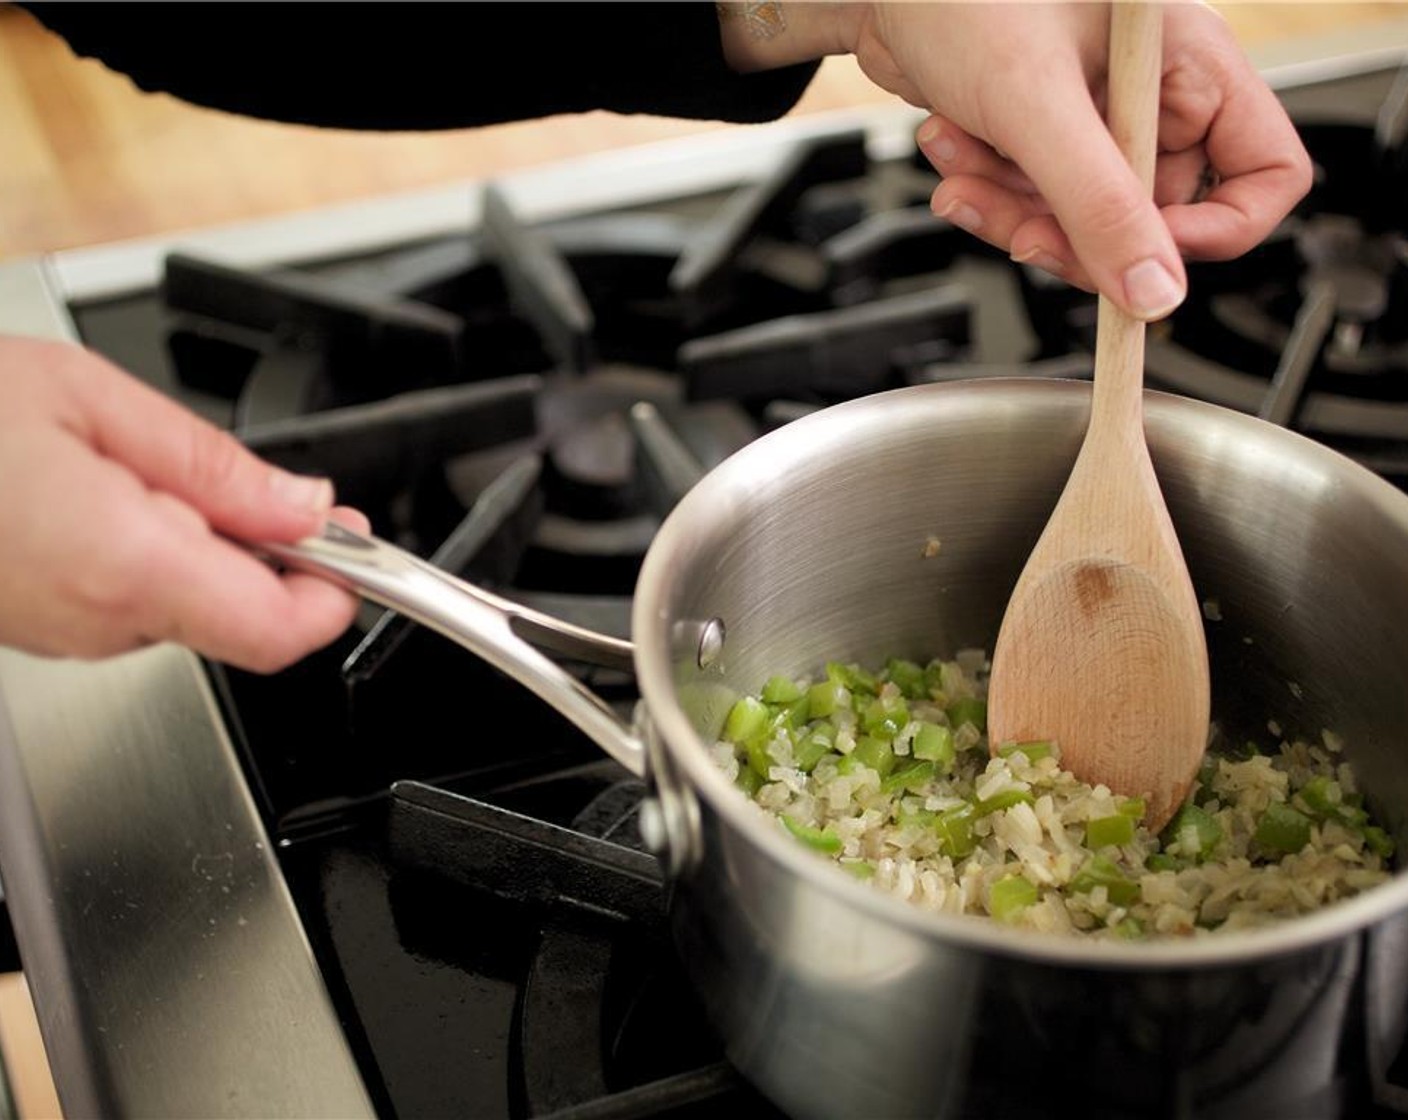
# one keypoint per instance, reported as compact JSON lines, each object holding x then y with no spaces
{"x":935,"y":143}
{"x":963,"y":216}
{"x":1040,"y":258}
{"x":301,"y":492}
{"x":1151,"y":290}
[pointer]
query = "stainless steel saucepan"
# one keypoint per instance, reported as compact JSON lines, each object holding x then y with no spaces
{"x":810,"y":544}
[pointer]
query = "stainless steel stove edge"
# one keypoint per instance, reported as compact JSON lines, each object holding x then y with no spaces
{"x":170,"y":971}
{"x":123,"y":810}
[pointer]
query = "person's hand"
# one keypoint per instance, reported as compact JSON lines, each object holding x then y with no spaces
{"x":1015,"y":94}
{"x":114,"y":500}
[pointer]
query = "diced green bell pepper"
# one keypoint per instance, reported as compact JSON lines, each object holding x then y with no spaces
{"x":1196,"y":830}
{"x":816,"y":744}
{"x":885,"y":716}
{"x":1102,"y":872}
{"x":1378,"y":841}
{"x":759,"y":760}
{"x":933,"y":743}
{"x":1004,"y":800}
{"x":911,"y":777}
{"x":1009,"y":897}
{"x":1282,"y":829}
{"x":1207,"y":771}
{"x":952,"y":679}
{"x":853,"y":677}
{"x":1133,"y":807}
{"x":968,"y":709}
{"x":746,"y":719}
{"x":954,"y":828}
{"x":1325,"y":800}
{"x":822,"y":839}
{"x":825,"y":698}
{"x":908,"y":676}
{"x":1104,"y":831}
{"x":781,"y":690}
{"x":1034,"y":749}
{"x":791,"y":716}
{"x":875,"y":753}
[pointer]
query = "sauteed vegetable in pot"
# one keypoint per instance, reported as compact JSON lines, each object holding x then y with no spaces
{"x":889,"y":775}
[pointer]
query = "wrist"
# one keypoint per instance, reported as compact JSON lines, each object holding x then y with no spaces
{"x":771,"y":34}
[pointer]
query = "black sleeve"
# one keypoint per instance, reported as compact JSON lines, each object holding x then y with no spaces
{"x":428,"y":66}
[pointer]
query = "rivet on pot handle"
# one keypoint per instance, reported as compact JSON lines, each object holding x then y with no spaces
{"x":669,"y":816}
{"x":496,"y":629}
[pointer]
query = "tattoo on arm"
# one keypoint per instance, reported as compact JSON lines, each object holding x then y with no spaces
{"x":765,"y":20}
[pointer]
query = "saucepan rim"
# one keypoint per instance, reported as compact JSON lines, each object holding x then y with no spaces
{"x":652,"y":623}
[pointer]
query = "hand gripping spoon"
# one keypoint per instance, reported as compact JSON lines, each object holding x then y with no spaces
{"x":1102,"y":647}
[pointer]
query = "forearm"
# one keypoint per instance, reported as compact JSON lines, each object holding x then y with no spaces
{"x":431,"y":66}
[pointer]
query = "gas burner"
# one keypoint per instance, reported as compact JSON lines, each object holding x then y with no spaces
{"x":1363,"y":271}
{"x":591,"y":453}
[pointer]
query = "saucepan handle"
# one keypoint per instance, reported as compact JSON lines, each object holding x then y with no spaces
{"x":501,"y":632}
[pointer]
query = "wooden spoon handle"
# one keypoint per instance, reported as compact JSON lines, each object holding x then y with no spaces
{"x":1136,"y":66}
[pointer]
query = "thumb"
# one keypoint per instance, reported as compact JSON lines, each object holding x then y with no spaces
{"x":175,"y":451}
{"x":1115,"y":230}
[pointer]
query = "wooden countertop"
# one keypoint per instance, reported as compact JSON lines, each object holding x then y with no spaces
{"x":85,"y":158}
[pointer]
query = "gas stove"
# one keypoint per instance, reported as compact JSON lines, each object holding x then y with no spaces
{"x":390,"y":881}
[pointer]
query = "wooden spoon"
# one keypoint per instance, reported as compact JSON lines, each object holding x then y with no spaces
{"x":1102,"y":646}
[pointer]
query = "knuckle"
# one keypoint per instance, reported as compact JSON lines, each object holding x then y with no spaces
{"x":258,"y":649}
{"x":265,"y":637}
{"x":271,"y":652}
{"x":96,"y":646}
{"x":215,"y":460}
{"x":1302,"y":175}
{"x":66,"y":633}
{"x":1111,"y":213}
{"x":268,"y":665}
{"x":118,"y":587}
